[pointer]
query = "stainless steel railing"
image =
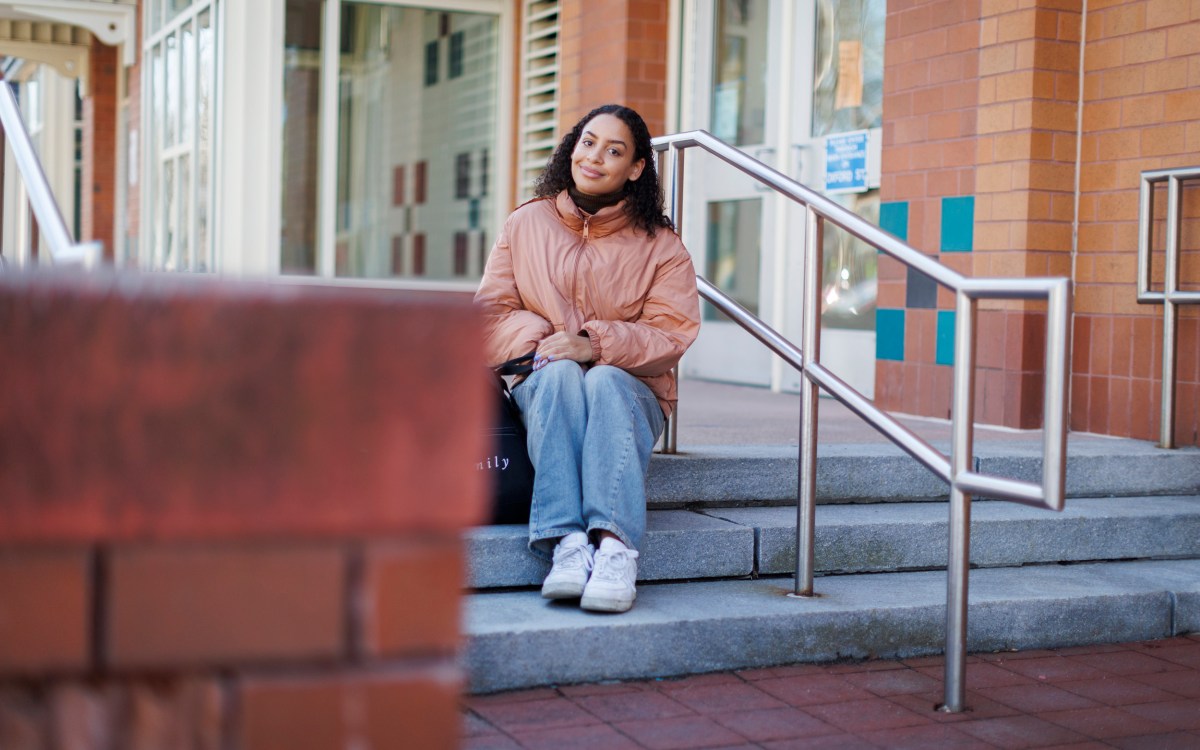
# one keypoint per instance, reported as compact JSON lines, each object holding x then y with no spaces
{"x":957,"y":469}
{"x":63,"y":250}
{"x":1171,"y":297}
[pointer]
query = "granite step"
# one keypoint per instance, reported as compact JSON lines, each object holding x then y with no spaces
{"x":515,"y":639}
{"x":747,"y":541}
{"x":765,"y":475}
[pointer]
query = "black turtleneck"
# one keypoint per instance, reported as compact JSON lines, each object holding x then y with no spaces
{"x":590,"y":204}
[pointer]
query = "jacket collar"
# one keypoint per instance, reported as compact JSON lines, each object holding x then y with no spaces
{"x":604,"y":222}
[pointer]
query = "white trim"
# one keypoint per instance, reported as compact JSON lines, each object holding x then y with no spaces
{"x":114,"y":23}
{"x":247,"y":153}
{"x":331,"y":33}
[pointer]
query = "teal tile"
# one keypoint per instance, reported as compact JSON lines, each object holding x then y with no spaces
{"x":889,"y":335}
{"x":893,"y":218}
{"x":945,"y":337}
{"x":958,"y":224}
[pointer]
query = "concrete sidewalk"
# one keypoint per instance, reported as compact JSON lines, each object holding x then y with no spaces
{"x":722,"y":414}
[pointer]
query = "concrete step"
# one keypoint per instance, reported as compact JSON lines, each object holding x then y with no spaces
{"x":516,"y":639}
{"x":701,"y":476}
{"x":739,"y":542}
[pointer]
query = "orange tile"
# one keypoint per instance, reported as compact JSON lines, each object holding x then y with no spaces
{"x":1121,"y":82}
{"x":1120,"y":412}
{"x":1165,"y":75}
{"x":1166,"y":13}
{"x":1080,"y":396}
{"x":1101,"y":115}
{"x":1163,"y":140}
{"x":1182,"y":40}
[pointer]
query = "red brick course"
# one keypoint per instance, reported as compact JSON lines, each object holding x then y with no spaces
{"x":410,"y":588}
{"x":282,"y":406}
{"x":224,"y":604}
{"x":45,"y":610}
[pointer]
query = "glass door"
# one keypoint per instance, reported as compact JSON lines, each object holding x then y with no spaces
{"x":727,"y":218}
{"x":783,"y":81}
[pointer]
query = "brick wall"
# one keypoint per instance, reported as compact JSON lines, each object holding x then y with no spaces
{"x":100,"y":147}
{"x":931,"y":104}
{"x":232,"y":514}
{"x":981,"y":113}
{"x":613,"y":51}
{"x":1141,"y":110}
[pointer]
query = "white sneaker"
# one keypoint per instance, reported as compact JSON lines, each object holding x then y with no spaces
{"x":611,"y":588}
{"x":572,"y":564}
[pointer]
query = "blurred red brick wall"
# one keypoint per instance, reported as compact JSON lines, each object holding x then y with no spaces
{"x":232,"y":514}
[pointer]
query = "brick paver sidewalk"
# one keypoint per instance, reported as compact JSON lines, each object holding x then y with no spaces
{"x":1137,"y":695}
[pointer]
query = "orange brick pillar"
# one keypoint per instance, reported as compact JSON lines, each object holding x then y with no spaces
{"x":613,"y":52}
{"x":232,"y":513}
{"x":99,"y":188}
{"x":980,"y":118}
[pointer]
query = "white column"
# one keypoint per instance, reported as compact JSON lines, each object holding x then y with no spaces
{"x":249,"y":135}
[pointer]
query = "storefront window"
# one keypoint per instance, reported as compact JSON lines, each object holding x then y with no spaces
{"x":734,"y":252}
{"x":848,"y":72}
{"x":181,"y":80}
{"x":739,"y":103}
{"x":417,"y":116}
{"x":849,"y":280}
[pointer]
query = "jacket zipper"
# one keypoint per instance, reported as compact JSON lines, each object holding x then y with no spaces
{"x":575,"y":274}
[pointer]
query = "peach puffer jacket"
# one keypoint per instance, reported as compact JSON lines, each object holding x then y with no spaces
{"x":555,"y":268}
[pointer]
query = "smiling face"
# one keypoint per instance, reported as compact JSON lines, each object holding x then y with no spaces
{"x":603,"y":157}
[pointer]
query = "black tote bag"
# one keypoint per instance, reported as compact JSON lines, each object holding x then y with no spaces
{"x":508,"y":466}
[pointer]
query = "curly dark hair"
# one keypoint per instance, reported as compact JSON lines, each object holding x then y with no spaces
{"x":644,"y":202}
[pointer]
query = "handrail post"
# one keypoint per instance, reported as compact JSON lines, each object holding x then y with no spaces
{"x":1166,"y":433}
{"x":674,"y":161}
{"x":806,"y":502}
{"x":41,"y":198}
{"x":959,"y":547}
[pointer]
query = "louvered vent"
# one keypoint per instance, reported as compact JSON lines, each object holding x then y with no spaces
{"x":539,"y":89}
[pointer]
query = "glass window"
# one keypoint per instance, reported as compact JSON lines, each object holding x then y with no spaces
{"x":734,"y":249}
{"x":301,"y":132}
{"x":848,"y":72}
{"x":180,"y":79}
{"x":431,"y":63}
{"x":739,"y":97}
{"x":456,"y":54}
{"x":411,"y":139}
{"x":849,"y":281}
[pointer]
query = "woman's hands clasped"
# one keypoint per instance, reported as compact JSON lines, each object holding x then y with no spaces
{"x":562,"y":345}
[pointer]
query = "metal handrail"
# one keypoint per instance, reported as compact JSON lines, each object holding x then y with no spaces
{"x":1171,"y":296}
{"x":63,"y":250}
{"x":957,"y":469}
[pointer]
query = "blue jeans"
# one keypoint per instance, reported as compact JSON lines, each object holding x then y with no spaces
{"x":591,"y":433}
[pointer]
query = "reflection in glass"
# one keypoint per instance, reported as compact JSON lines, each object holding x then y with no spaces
{"x":739,"y":98}
{"x":848,"y":72}
{"x":189,"y":80}
{"x":733,"y":250}
{"x":412,"y":139}
{"x":849,"y":279}
{"x":185,"y":181}
{"x":203,"y":133}
{"x":171,"y":89}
